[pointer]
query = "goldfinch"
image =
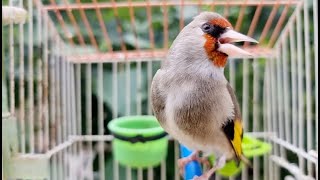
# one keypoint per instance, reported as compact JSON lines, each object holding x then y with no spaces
{"x":192,"y":99}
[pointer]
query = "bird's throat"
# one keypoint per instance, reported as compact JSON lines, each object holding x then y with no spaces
{"x":218,"y":58}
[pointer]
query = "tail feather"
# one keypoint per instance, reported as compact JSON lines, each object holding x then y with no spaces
{"x":246,"y":161}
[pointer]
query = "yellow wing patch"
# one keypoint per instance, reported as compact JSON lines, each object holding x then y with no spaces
{"x":237,"y":140}
{"x":234,"y":132}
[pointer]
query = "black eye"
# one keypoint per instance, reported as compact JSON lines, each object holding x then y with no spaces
{"x":206,"y":28}
{"x":213,"y":30}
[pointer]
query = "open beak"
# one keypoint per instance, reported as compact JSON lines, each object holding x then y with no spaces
{"x":231,"y":36}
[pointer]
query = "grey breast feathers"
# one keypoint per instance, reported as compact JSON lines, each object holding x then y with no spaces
{"x":206,"y":108}
{"x":158,"y":98}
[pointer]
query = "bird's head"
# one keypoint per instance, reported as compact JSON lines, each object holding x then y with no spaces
{"x":214,"y":35}
{"x":219,"y":35}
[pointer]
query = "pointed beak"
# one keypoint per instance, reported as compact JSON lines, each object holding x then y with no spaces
{"x":231,"y":36}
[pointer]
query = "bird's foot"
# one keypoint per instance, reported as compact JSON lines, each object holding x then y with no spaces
{"x":192,"y":157}
{"x":183,"y":161}
{"x":220,"y":162}
{"x":218,"y":165}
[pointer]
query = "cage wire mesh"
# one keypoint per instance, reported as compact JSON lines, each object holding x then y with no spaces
{"x":75,"y":65}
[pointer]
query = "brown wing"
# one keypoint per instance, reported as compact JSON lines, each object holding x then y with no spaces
{"x":233,"y":129}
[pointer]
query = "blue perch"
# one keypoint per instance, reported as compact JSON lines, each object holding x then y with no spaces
{"x":191,"y":169}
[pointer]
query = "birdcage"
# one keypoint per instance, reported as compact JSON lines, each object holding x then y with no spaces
{"x":72,"y":66}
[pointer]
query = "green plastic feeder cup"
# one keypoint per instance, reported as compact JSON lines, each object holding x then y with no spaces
{"x":139,"y":141}
{"x":251,"y":147}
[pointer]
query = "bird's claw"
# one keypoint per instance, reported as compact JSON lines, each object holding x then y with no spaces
{"x":193,"y":157}
{"x":218,"y":165}
{"x":203,"y":177}
{"x":220,"y":162}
